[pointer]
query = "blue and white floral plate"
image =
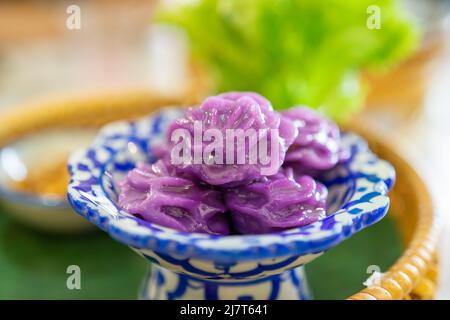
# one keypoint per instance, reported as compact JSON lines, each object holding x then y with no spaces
{"x":202,"y":266}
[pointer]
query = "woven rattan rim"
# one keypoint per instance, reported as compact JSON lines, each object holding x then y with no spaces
{"x":412,"y":276}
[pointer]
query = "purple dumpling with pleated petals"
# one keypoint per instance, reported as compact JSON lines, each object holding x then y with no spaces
{"x":276,"y":203}
{"x":317,"y":145}
{"x":245,"y":111}
{"x":154,"y":194}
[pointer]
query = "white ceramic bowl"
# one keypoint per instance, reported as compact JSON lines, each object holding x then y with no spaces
{"x":33,"y":152}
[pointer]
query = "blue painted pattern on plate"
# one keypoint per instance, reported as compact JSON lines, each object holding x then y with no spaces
{"x":357,"y":198}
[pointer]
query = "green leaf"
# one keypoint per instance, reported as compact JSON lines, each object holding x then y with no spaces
{"x":295,"y":51}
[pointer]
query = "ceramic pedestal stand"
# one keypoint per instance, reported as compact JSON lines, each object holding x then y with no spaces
{"x":202,"y":266}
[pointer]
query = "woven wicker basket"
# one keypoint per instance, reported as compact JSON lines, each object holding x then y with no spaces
{"x":413,"y":276}
{"x":415,"y":273}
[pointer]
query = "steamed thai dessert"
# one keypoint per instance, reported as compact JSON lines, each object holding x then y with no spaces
{"x":276,"y":203}
{"x":152,"y":192}
{"x":205,"y":182}
{"x":229,"y":113}
{"x":316,"y":147}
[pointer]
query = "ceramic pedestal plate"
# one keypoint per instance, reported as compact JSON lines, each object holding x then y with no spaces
{"x":201,"y":266}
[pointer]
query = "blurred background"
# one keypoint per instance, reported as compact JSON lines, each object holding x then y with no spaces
{"x":384,"y":63}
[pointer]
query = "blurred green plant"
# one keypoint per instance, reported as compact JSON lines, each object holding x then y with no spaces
{"x":294,"y":51}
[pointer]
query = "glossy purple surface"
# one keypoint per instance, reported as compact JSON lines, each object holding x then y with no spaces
{"x":276,"y":203}
{"x":224,"y":198}
{"x":316,"y":147}
{"x":152,"y":192}
{"x":234,"y":110}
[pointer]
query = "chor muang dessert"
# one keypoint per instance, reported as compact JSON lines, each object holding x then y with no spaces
{"x":233,"y":165}
{"x":317,"y":142}
{"x":158,"y":196}
{"x":234,"y":111}
{"x":276,"y":203}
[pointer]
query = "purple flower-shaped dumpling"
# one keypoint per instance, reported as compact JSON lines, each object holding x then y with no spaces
{"x":154,"y":194}
{"x":317,"y":145}
{"x":276,"y":203}
{"x":221,"y":142}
